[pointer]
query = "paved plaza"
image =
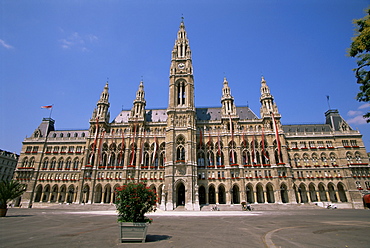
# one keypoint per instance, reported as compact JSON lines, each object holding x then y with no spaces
{"x":96,"y":226}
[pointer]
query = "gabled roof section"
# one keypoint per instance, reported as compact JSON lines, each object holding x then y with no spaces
{"x":309,"y":128}
{"x":335,"y":120}
{"x":151,"y":115}
{"x":214,"y":114}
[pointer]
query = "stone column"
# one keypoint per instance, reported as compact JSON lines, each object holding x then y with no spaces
{"x":277,"y":196}
{"x":163,"y":201}
{"x":299,"y":200}
{"x":102,"y":197}
{"x":337,"y":195}
{"x":228,"y":197}
{"x":42,"y":196}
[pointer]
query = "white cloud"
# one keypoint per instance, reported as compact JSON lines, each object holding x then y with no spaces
{"x":357,"y":115}
{"x":354,"y":112}
{"x":78,"y":41}
{"x":4,"y":44}
{"x":357,"y":120}
{"x":366,"y":105}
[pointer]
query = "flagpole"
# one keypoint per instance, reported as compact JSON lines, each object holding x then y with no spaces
{"x":51,"y":110}
{"x":327,"y":99}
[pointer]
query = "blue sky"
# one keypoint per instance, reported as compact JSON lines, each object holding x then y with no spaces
{"x":62,"y":52}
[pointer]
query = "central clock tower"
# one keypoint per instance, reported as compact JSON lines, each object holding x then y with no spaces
{"x":181,"y":176}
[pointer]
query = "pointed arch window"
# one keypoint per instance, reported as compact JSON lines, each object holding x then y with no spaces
{"x":45,"y":164}
{"x":53,"y":164}
{"x":68,"y":164}
{"x":181,"y":93}
{"x":60,"y":164}
{"x":358,"y":158}
{"x":232,"y":153}
{"x":333,"y":160}
{"x":180,"y":149}
{"x":162,"y":156}
{"x":25,"y":162}
{"x":201,"y":158}
{"x":75,"y":164}
{"x":133,"y":154}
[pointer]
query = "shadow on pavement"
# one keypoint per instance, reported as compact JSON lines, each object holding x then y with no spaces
{"x":155,"y":238}
{"x":20,"y":215}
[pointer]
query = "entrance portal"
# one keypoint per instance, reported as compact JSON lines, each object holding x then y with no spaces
{"x":180,"y":195}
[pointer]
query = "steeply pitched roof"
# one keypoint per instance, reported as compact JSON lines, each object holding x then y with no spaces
{"x":203,"y":114}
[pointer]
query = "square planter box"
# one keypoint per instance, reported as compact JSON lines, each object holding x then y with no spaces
{"x":133,"y":231}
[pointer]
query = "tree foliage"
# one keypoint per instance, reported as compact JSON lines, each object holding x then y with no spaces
{"x":360,"y":49}
{"x":9,"y":190}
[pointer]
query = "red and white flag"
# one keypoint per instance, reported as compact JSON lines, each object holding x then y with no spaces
{"x":232,"y":141}
{"x":100,"y":153}
{"x":133,"y":147}
{"x":219,"y":147}
{"x":155,"y":149}
{"x":120,"y":159}
{"x":47,"y":107}
{"x":277,"y":138}
{"x":263,"y":146}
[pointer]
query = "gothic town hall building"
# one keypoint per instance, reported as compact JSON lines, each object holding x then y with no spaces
{"x":194,"y":157}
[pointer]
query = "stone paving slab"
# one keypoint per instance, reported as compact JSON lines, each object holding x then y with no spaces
{"x":77,"y":227}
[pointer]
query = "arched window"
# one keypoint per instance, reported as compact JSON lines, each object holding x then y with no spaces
{"x":201,"y":159}
{"x":324,"y":160}
{"x":315,"y":160}
{"x":60,"y":164}
{"x":75,"y":164}
{"x":333,"y":160}
{"x":162,"y":156}
{"x":358,"y":158}
{"x":68,"y":164}
{"x":53,"y":164}
{"x":210,"y":158}
{"x":181,"y":93}
{"x":133,"y":154}
{"x":25,"y":162}
{"x":45,"y":164}
{"x":180,"y":150}
{"x":232,"y":153}
{"x":306,"y":160}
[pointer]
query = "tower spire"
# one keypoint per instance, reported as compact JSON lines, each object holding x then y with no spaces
{"x":101,"y":111}
{"x":227,"y":100}
{"x":138,"y":110}
{"x":268,"y":105}
{"x":181,"y":73}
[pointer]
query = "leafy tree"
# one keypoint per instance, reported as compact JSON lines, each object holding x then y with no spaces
{"x":9,"y":190}
{"x":133,"y":200}
{"x":360,"y":49}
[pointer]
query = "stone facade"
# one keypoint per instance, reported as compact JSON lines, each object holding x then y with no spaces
{"x":8,"y":162}
{"x":194,"y":157}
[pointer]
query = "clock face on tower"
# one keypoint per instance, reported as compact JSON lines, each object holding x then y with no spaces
{"x":181,"y":66}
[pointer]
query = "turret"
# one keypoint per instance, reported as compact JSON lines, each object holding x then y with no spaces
{"x":227,"y":101}
{"x":268,"y":105}
{"x":101,"y":111}
{"x":138,"y":109}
